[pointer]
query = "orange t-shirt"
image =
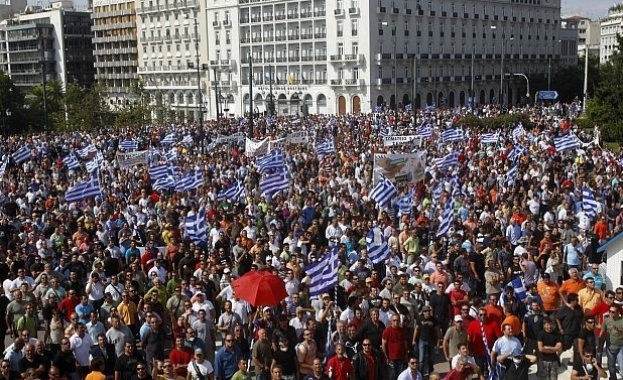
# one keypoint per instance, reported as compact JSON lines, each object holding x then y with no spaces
{"x":549,"y":295}
{"x":572,"y":286}
{"x":95,"y":375}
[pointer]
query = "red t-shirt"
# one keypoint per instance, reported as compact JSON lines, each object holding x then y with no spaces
{"x":181,"y":357}
{"x":474,"y":336}
{"x":341,"y":368}
{"x":68,"y":306}
{"x":457,"y":295}
{"x":396,"y":343}
{"x":371,"y":366}
{"x":459,"y":375}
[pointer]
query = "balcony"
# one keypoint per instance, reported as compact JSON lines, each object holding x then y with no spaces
{"x":269,"y":59}
{"x":353,"y":57}
{"x":245,"y":40}
{"x":320,"y":81}
{"x":353,"y":11}
{"x":256,"y":18}
{"x":321,"y":58}
{"x":256,"y":39}
{"x":280,"y":16}
{"x":306,"y":13}
{"x":244,"y":20}
{"x":280,"y":38}
{"x":307,"y":36}
{"x":258,"y":60}
{"x":320,"y":13}
{"x":294,"y":58}
{"x":268,"y":18}
{"x":281,"y":59}
{"x":353,"y":82}
{"x":227,"y":23}
{"x":307,"y":58}
{"x":292,"y":16}
{"x":307,"y":81}
{"x":336,"y":82}
{"x":216,"y":23}
{"x":293,"y":37}
{"x":320,"y":35}
{"x":268,"y":39}
{"x":335,"y":58}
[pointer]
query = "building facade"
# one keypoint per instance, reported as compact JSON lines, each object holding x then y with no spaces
{"x":51,"y":43}
{"x":589,"y":32}
{"x":611,"y":25}
{"x":350,"y":56}
{"x":115,"y":48}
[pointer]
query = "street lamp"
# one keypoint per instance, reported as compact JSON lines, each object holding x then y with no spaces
{"x":500,"y":97}
{"x":386,"y":24}
{"x":198,"y":68}
{"x":527,"y":85}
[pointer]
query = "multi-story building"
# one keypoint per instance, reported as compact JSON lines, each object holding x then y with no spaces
{"x":173,"y":57}
{"x":611,"y":26}
{"x":9,"y":8}
{"x":353,"y":55}
{"x":55,"y":43}
{"x":588,"y":34}
{"x":115,"y":50}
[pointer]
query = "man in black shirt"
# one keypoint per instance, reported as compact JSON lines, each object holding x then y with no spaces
{"x":549,"y":346}
{"x":372,"y":329}
{"x":440,"y":302}
{"x":587,"y":339}
{"x":425,"y":339}
{"x":518,"y":369}
{"x":34,"y":363}
{"x":569,"y":318}
{"x":588,"y":368}
{"x":65,"y":361}
{"x":126,"y":364}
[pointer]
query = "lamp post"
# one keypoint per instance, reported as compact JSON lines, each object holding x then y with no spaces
{"x":198,"y":70}
{"x":527,"y":85}
{"x":386,"y":24}
{"x":494,"y":27}
{"x":4,"y":120}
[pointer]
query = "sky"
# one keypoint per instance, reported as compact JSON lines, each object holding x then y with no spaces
{"x":590,"y":8}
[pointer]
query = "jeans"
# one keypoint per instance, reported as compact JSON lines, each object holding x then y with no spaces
{"x":615,"y":355}
{"x":395,"y":368}
{"x":547,"y":370}
{"x":426,"y":356}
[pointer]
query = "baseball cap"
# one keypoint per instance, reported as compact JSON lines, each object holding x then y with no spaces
{"x":198,"y":351}
{"x":458,"y":318}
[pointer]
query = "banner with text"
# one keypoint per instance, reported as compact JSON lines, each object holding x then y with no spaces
{"x":400,"y":168}
{"x":400,"y":140}
{"x":256,"y":148}
{"x":238,"y":138}
{"x":125,"y":160}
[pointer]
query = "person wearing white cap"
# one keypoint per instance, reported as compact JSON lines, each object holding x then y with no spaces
{"x":199,"y":368}
{"x":454,"y":335}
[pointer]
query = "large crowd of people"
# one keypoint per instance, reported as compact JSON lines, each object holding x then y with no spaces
{"x":113,"y":287}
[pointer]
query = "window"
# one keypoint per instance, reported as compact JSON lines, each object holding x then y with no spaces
{"x":355,"y":48}
{"x":340,"y":28}
{"x":356,"y":73}
{"x":217,"y":38}
{"x":216,"y":16}
{"x":228,"y":37}
{"x":340,"y":49}
{"x":354,"y":25}
{"x":340,"y":4}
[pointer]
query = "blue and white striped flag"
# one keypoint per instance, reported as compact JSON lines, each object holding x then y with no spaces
{"x":518,"y":150}
{"x":271,"y":161}
{"x":589,"y":204}
{"x":448,"y":161}
{"x":490,"y":138}
{"x":437,"y":192}
{"x":158,"y":172}
{"x":511,"y":175}
{"x":447,"y":217}
{"x":188,"y":140}
{"x":166,"y":183}
{"x":518,"y":131}
{"x":3,"y":167}
{"x":405,"y":203}
{"x":168,"y":139}
{"x":378,"y":252}
{"x":409,"y":107}
{"x":71,"y":161}
{"x":452,"y":135}
{"x":232,"y":193}
{"x":195,"y":227}
{"x":21,"y":155}
{"x":325,"y":148}
{"x":92,"y":166}
{"x":171,"y":155}
{"x":84,"y":190}
{"x":383,"y":192}
{"x":87,"y":151}
{"x":424,"y":130}
{"x":274,"y":183}
{"x":455,"y":185}
{"x":520,"y":290}
{"x":128,"y":145}
{"x":323,"y":273}
{"x":190,"y":182}
{"x":567,"y":142}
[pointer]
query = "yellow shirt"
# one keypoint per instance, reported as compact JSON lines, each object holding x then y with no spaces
{"x":589,"y":299}
{"x":95,"y":375}
{"x":128,"y":312}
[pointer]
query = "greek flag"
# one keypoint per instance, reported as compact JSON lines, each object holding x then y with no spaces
{"x":447,"y":216}
{"x":518,"y":132}
{"x":446,"y":162}
{"x":424,"y":130}
{"x":21,"y":155}
{"x":489,"y":138}
{"x":383,"y":192}
{"x":409,"y":107}
{"x":567,"y":142}
{"x":323,"y":273}
{"x":518,"y":150}
{"x":385,"y":131}
{"x":455,"y":185}
{"x":271,"y":161}
{"x":166,"y":183}
{"x":195,"y":227}
{"x":275,"y":182}
{"x":233,"y":193}
{"x":378,"y":252}
{"x":190,"y":182}
{"x":325,"y":149}
{"x":378,"y":109}
{"x":452,"y":135}
{"x":589,"y":204}
{"x":405,"y":203}
{"x":128,"y":145}
{"x":168,"y":139}
{"x":171,"y":155}
{"x":84,"y":190}
{"x":511,"y":175}
{"x":87,"y":151}
{"x":188,"y":140}
{"x":71,"y":161}
{"x":3,"y":167}
{"x":437,"y":192}
{"x":92,"y":166}
{"x":158,"y":172}
{"x":520,"y":290}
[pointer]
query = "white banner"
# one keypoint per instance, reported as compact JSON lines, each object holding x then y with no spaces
{"x":256,"y":148}
{"x":398,"y":140}
{"x":277,"y":144}
{"x":294,"y":138}
{"x":238,"y":137}
{"x":125,"y":160}
{"x":400,"y":168}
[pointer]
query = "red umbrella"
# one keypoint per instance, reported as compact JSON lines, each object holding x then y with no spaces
{"x":260,"y":288}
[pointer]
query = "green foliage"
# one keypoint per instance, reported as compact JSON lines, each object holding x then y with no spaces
{"x":492,"y":124}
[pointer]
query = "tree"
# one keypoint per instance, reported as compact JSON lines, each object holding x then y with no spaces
{"x":606,"y":108}
{"x":54,"y":105}
{"x":11,"y":102}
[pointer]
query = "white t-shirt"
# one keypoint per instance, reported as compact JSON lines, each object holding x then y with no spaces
{"x":205,"y":368}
